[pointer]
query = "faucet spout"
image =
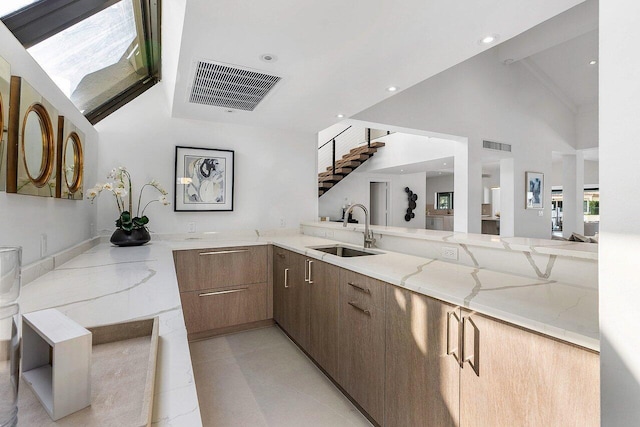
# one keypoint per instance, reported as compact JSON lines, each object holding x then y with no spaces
{"x":368,"y":234}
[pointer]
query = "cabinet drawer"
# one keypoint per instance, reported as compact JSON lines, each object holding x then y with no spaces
{"x":219,"y":267}
{"x":223,"y":307}
{"x":362,"y":289}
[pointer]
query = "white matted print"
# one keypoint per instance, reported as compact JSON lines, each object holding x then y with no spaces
{"x":204,"y":179}
{"x":534,"y":190}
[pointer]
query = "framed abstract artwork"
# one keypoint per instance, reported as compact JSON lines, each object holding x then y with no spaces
{"x":204,"y":179}
{"x":534,"y":190}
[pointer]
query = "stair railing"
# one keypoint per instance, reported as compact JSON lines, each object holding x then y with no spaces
{"x":342,"y":143}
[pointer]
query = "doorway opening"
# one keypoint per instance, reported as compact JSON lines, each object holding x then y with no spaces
{"x":379,"y":203}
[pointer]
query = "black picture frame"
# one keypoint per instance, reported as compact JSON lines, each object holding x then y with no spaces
{"x":204,"y":179}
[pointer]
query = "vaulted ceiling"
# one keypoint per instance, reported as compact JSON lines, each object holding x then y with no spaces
{"x":334,"y":57}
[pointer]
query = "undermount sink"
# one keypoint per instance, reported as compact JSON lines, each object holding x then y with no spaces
{"x":342,"y":251}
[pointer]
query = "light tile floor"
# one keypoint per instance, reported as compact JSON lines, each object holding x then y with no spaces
{"x":260,"y":378}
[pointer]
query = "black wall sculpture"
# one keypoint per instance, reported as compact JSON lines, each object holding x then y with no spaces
{"x":412,"y":204}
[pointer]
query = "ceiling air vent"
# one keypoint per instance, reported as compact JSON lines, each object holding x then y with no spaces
{"x":224,"y":86}
{"x":496,"y":145}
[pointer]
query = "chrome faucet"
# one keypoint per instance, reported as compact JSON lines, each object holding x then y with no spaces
{"x":368,"y":234}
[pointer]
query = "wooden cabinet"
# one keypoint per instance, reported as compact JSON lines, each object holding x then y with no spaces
{"x":512,"y":376}
{"x":224,"y":307}
{"x":220,"y":267}
{"x":296,"y":301}
{"x":223,"y":289}
{"x":361,"y":343}
{"x":421,"y":381}
{"x":323,"y":314}
{"x":291,"y":295}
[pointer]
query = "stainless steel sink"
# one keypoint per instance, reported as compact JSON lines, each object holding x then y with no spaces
{"x":342,"y":251}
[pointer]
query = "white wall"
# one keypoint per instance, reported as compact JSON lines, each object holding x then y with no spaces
{"x":587,"y":126}
{"x":438,"y":184}
{"x":275,"y":175}
{"x":402,"y":149}
{"x":483,"y":99}
{"x":591,"y":173}
{"x":355,"y":189}
{"x":619,"y":226}
{"x":23,"y":219}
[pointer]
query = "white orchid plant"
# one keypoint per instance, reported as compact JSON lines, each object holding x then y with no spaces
{"x":120,"y":187}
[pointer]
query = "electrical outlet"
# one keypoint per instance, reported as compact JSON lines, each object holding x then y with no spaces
{"x":191,"y":227}
{"x":449,"y":253}
{"x":540,"y":213}
{"x":283,"y":223}
{"x":43,"y":245}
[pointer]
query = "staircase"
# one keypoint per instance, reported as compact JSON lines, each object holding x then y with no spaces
{"x":346,"y":165}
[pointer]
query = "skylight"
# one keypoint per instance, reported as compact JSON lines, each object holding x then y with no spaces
{"x":101,"y":54}
{"x":95,"y":59}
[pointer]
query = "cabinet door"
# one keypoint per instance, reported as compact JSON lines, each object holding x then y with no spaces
{"x":224,"y":307}
{"x":281,"y":271}
{"x":516,"y":377}
{"x":422,"y":380}
{"x":220,"y":267}
{"x":323,"y":308}
{"x":362,"y":341}
{"x":296,"y":301}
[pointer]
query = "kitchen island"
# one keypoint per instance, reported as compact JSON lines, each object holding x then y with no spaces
{"x":107,"y":284}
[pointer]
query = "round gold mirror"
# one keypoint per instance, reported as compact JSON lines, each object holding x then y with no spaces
{"x":72,"y":162}
{"x":37,"y":145}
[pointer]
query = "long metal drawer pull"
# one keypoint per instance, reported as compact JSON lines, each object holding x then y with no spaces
{"x":230,"y":291}
{"x":235,"y":251}
{"x":306,"y":276}
{"x":286,"y":277}
{"x":357,"y":307}
{"x":453,"y":351}
{"x":310,"y":280}
{"x":360,"y":288}
{"x":474,"y":358}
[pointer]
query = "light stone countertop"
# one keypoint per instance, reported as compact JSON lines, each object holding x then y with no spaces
{"x":107,"y":284}
{"x":543,"y":246}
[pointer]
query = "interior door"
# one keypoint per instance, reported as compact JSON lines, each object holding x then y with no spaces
{"x":379,"y":203}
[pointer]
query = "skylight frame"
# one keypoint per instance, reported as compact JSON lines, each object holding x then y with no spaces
{"x":41,"y":20}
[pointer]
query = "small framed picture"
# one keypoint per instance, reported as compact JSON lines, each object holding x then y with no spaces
{"x":534,"y":190}
{"x":204,"y":179}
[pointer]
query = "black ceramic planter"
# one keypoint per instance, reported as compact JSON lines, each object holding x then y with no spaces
{"x":135,"y":237}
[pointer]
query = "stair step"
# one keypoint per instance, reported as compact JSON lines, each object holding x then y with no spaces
{"x":357,"y":157}
{"x":320,"y":192}
{"x":330,"y":178}
{"x":325,"y":185}
{"x":339,"y":171}
{"x":377,"y":144}
{"x":345,"y":164}
{"x":363,"y":150}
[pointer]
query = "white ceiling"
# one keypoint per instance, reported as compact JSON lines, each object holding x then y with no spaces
{"x":336,"y":56}
{"x":567,"y":65}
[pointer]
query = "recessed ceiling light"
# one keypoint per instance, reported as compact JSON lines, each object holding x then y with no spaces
{"x":340,"y":116}
{"x":445,"y":164}
{"x":392,"y":89}
{"x":439,"y":173}
{"x":593,"y":62}
{"x":488,"y":39}
{"x":268,"y":57}
{"x":401,"y":170}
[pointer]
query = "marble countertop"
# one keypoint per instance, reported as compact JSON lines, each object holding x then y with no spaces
{"x":107,"y":284}
{"x":564,"y":311}
{"x":543,"y":246}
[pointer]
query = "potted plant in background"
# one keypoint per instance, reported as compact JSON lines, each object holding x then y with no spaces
{"x":130,"y":230}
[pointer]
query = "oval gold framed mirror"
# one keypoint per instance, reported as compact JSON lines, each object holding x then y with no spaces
{"x":72,"y":162}
{"x":37,"y":145}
